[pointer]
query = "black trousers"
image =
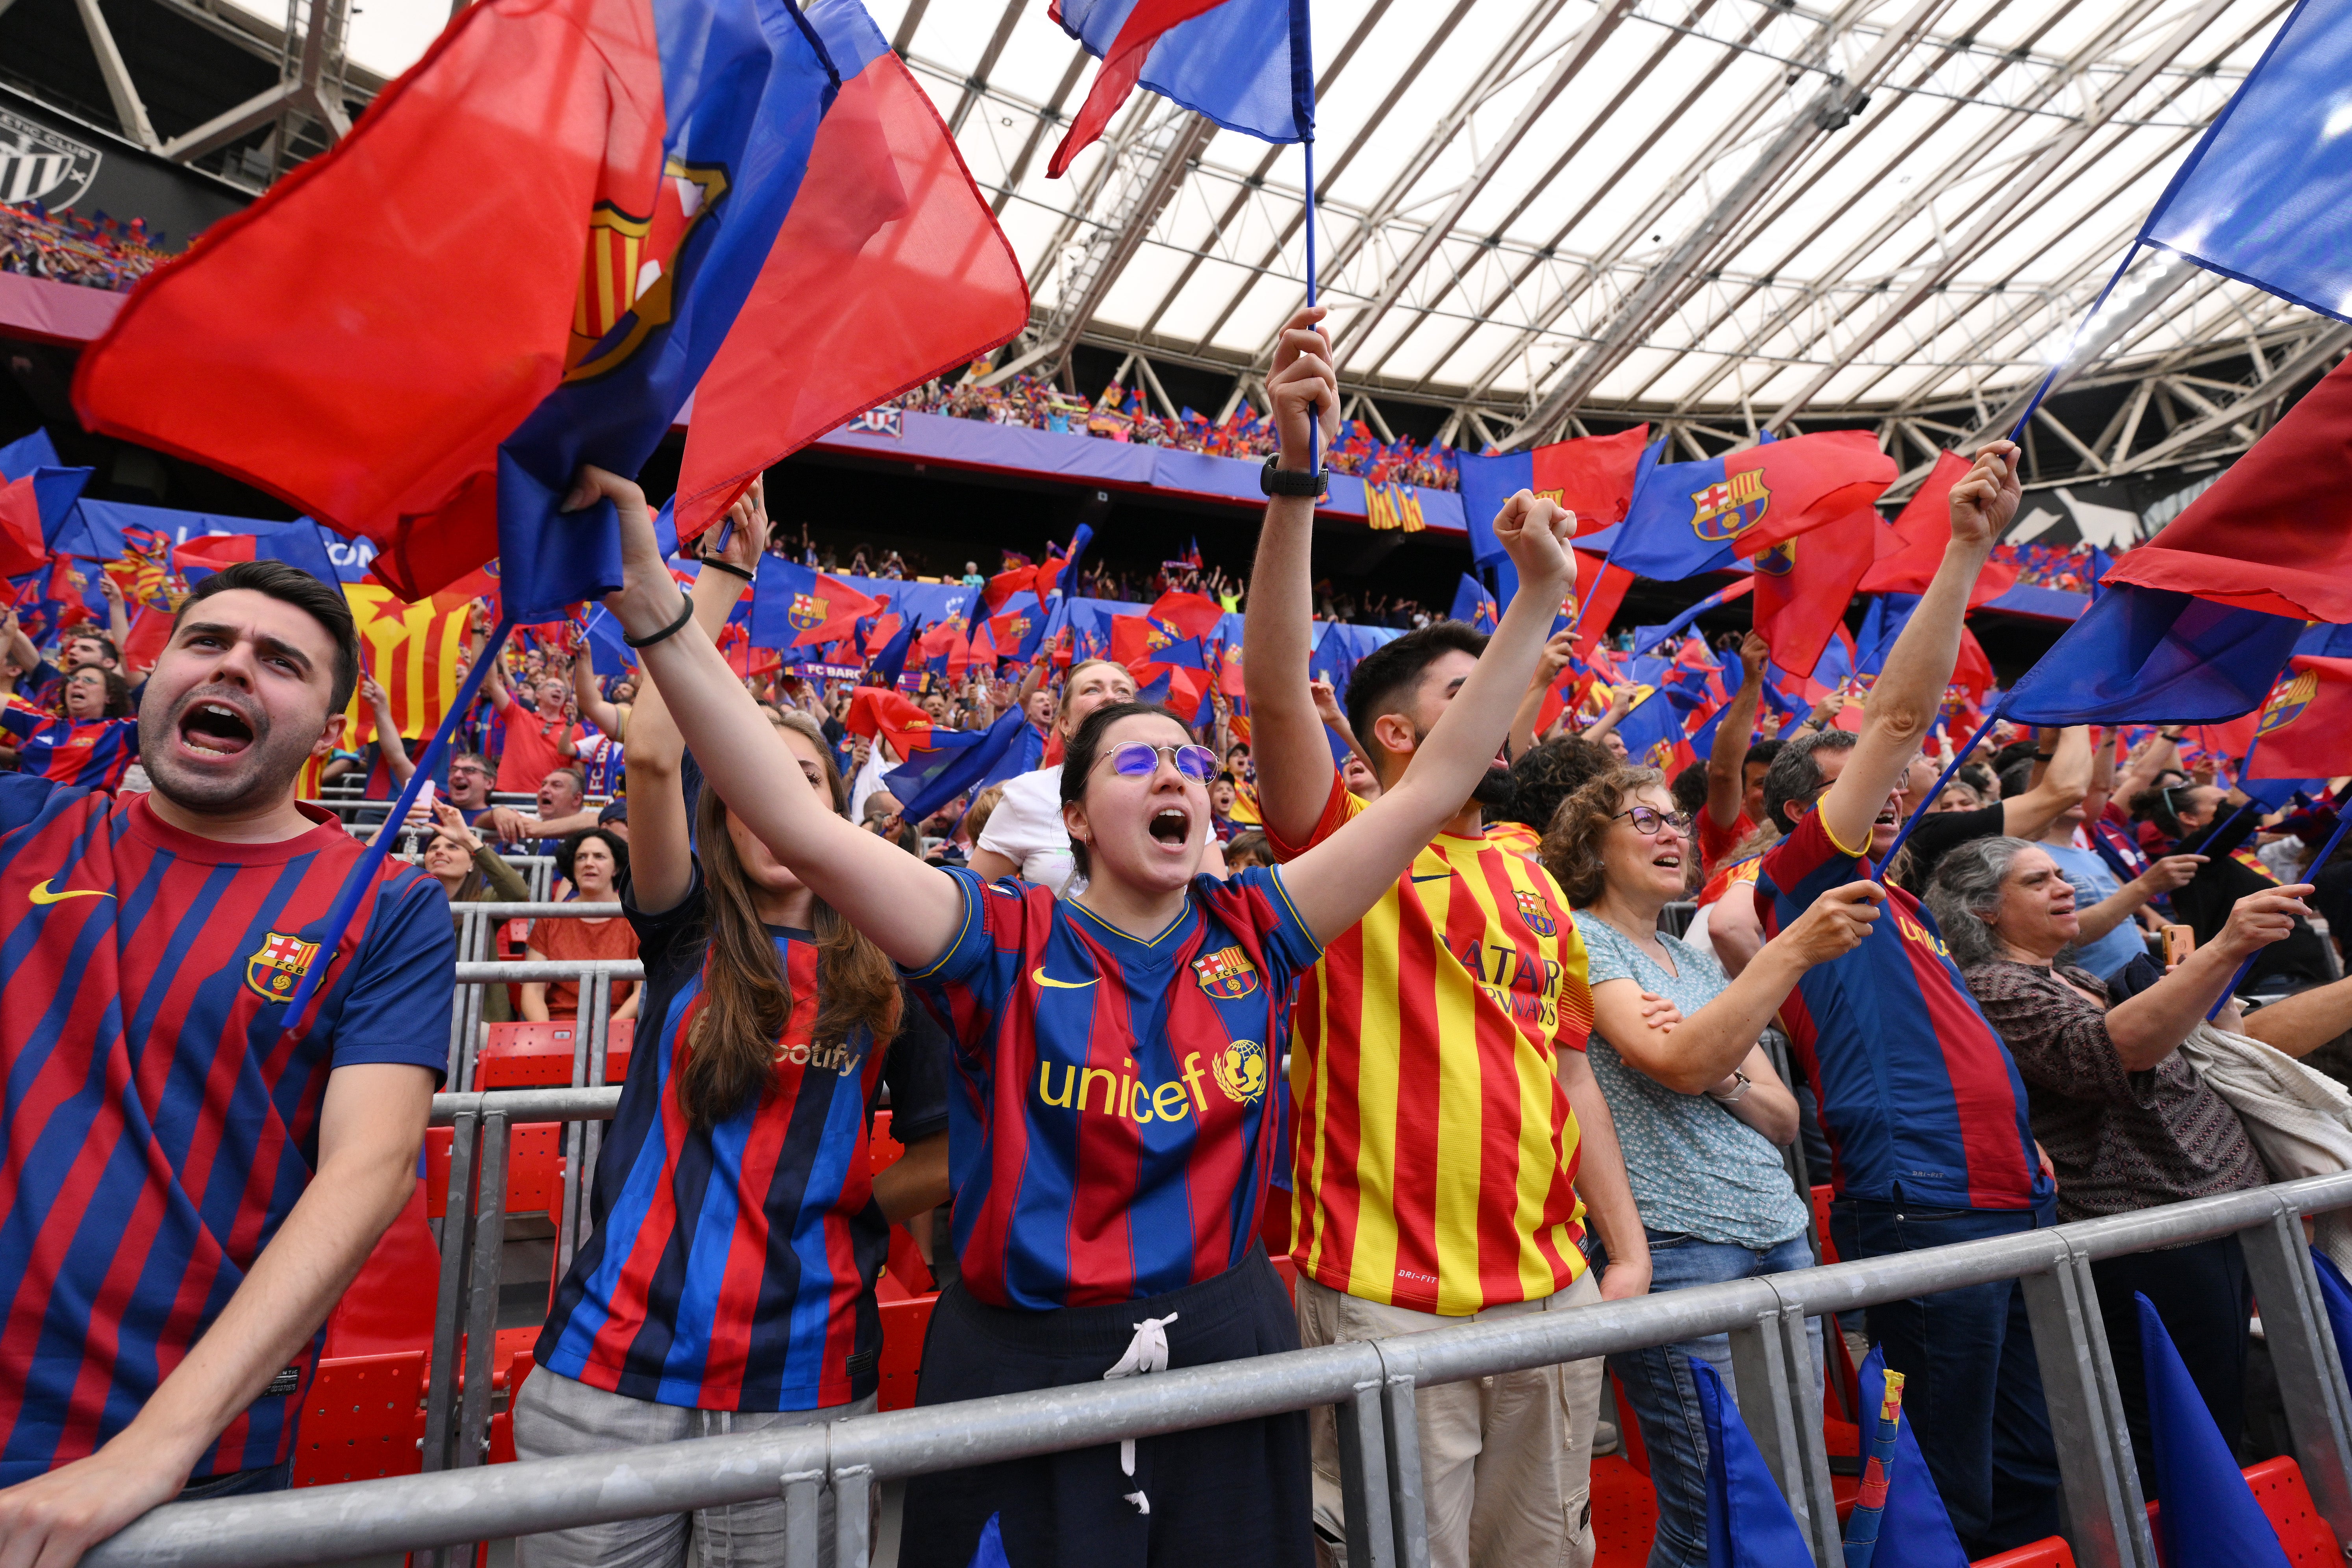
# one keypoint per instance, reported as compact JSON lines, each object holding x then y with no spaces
{"x":2200,"y":1293}
{"x":1238,"y":1496}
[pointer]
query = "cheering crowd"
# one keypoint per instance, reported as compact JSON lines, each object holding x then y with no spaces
{"x":1392,"y":977}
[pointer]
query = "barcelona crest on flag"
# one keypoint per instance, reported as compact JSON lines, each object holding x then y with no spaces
{"x":272,"y":970}
{"x":2287,"y":703}
{"x":1730,"y":507}
{"x":1536,"y":912}
{"x":807,"y":613}
{"x":1227,"y":974}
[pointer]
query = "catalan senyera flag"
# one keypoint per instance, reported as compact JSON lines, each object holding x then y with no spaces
{"x":412,"y":650}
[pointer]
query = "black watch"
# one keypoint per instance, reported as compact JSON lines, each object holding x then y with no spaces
{"x":1276,"y":481}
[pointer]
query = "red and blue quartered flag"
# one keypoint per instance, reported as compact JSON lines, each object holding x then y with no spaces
{"x":524,"y":259}
{"x":297,"y":543}
{"x":1591,"y":476}
{"x":2150,"y":654}
{"x":964,"y":762}
{"x":795,"y":607}
{"x":1246,"y":64}
{"x":1015,"y":631}
{"x":1803,"y":584}
{"x":37,"y":493}
{"x":2301,"y":728}
{"x":1689,"y":517}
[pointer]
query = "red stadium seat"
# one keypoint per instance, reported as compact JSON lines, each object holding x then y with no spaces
{"x":363,"y":1418}
{"x":538,"y":1056}
{"x":534,"y":1171}
{"x":905,"y":1322}
{"x":1822,"y":1224}
{"x":2279,"y":1486}
{"x":384,"y":1313}
{"x":2053,"y":1553}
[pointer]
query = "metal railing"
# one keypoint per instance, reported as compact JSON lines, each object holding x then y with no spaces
{"x":1371,"y":1385}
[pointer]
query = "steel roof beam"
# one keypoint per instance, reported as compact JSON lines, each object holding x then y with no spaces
{"x":977,"y":83}
{"x":1051,"y":117}
{"x":2046,"y":162}
{"x":130,"y":110}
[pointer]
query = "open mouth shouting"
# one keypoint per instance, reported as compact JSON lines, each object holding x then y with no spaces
{"x":213,"y":729}
{"x":1172,"y":827}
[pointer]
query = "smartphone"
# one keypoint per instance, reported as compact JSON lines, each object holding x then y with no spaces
{"x":2180,"y":941}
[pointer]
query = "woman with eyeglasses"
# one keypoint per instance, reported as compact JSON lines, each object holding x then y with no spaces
{"x":1121,"y":1107}
{"x":1700,"y":1113}
{"x":93,"y":739}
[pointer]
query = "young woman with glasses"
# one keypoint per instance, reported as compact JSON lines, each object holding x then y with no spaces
{"x":1700,"y":1113}
{"x":1119,"y":1109}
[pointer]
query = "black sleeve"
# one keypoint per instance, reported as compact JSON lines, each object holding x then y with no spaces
{"x":1941,"y":831}
{"x":917,"y":1068}
{"x":669,"y":944}
{"x":2231,"y":827}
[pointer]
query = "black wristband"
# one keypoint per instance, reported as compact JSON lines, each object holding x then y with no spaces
{"x":727,"y":566}
{"x":684,"y":614}
{"x":2043,"y":756}
{"x":1276,"y":481}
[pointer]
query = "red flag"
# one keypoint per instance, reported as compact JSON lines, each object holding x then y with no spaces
{"x":21,"y":550}
{"x":1909,"y":553}
{"x":1591,"y":477}
{"x":1004,"y":585}
{"x":1135,"y":643}
{"x":1599,"y":588}
{"x":898,"y":718}
{"x":151,"y":633}
{"x":1972,"y":671}
{"x":889,"y":268}
{"x":1122,"y":64}
{"x":831,"y":613}
{"x":2303,"y":725}
{"x":1802,"y":587}
{"x":1186,"y":614}
{"x":1815,"y":481}
{"x":2269,"y":535}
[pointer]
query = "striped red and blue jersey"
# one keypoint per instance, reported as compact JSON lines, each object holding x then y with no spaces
{"x":94,"y":755}
{"x":1920,"y":1098}
{"x":162,"y":1116}
{"x":603,"y":766}
{"x":1118,"y":1113}
{"x":732,"y":1268}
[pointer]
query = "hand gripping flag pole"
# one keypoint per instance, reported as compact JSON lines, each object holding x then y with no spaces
{"x":362,"y":880}
{"x":2310,"y":873}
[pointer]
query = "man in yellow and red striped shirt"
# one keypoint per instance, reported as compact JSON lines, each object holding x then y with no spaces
{"x":1446,"y":1120}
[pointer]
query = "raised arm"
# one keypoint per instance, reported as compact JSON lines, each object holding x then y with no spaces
{"x":2151,"y":1025}
{"x":604,"y":715}
{"x":911,"y":910}
{"x":2064,"y":779}
{"x":1727,"y":779}
{"x":1621,"y":702}
{"x":1294,"y":763}
{"x":661,"y":857}
{"x":1909,"y":691}
{"x":1557,"y":651}
{"x":1334,"y":883}
{"x":388,"y":744}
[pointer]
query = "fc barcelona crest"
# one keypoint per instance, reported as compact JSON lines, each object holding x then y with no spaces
{"x":807,"y":613}
{"x":1779,"y":560}
{"x":274,"y":969}
{"x":1536,"y":912}
{"x":1726,"y":510}
{"x":628,"y":280}
{"x":1227,"y":974}
{"x":2287,"y":703}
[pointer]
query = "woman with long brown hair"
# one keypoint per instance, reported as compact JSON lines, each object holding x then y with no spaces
{"x":739,"y":1224}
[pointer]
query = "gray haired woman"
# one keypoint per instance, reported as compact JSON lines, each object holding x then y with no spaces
{"x":2128,"y":1123}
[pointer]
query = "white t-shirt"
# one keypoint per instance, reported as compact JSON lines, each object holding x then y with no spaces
{"x":1026,"y":828}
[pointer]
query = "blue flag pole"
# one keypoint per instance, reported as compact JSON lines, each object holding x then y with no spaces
{"x":1936,"y":789}
{"x":2311,"y":873}
{"x":362,"y":877}
{"x":2018,"y":433}
{"x":1314,"y":421}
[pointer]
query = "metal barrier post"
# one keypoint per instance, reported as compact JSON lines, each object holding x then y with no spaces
{"x":1364,"y":1478}
{"x":457,"y":1251}
{"x":1408,"y":1508}
{"x":2302,"y":1350}
{"x":803,"y":1517}
{"x":2104,"y":1515}
{"x":592,"y":1134}
{"x":1774,"y":1402}
{"x":853,"y":1514}
{"x":482,"y":1296}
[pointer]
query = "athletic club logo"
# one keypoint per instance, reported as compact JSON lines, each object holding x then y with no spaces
{"x":807,"y":613}
{"x":2287,"y":703}
{"x":1241,"y":1071}
{"x":628,"y":281}
{"x":1227,"y":974}
{"x":272,"y":972}
{"x":1779,"y":560}
{"x":1728,"y":509}
{"x":1536,"y":912}
{"x":39,"y":164}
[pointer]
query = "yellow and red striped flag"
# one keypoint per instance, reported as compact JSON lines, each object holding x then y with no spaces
{"x":411,"y":649}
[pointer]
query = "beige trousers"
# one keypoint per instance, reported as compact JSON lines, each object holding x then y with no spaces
{"x":1505,"y":1462}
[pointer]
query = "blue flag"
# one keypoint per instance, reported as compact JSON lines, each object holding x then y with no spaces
{"x":963,"y":760}
{"x":608,"y":655}
{"x":2266,"y":197}
{"x":1914,"y":1530}
{"x":1748,"y":1524}
{"x":744,"y":90}
{"x":1246,"y":64}
{"x":2144,"y":655}
{"x":891,"y":662}
{"x":2209,"y":1514}
{"x":1473,"y":604}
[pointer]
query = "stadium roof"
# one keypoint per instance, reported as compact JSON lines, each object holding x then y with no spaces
{"x":1730,"y":212}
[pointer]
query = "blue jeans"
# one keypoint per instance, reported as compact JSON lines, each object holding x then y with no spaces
{"x":1973,"y":1389}
{"x":1658,"y":1383}
{"x":274,"y":1478}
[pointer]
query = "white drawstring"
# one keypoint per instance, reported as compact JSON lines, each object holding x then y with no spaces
{"x":1146,"y":1352}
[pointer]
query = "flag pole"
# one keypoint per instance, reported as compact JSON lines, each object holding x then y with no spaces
{"x":1314,"y":419}
{"x":2310,"y":872}
{"x":2043,"y":391}
{"x":1958,"y":758}
{"x":362,"y":877}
